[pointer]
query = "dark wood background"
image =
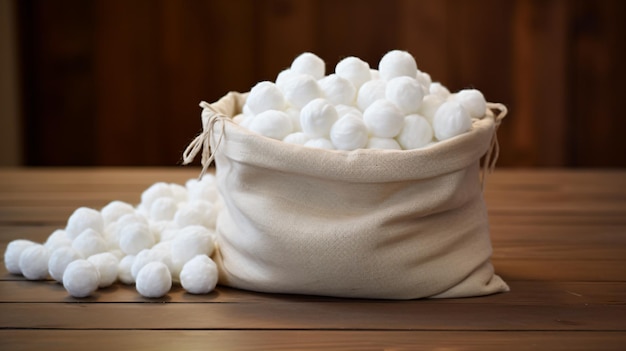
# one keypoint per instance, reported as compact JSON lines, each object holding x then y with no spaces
{"x":116,"y":82}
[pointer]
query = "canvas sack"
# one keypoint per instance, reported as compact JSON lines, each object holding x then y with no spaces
{"x":388,"y":224}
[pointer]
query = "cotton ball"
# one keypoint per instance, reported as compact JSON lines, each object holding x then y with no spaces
{"x":57,"y":239}
{"x":179,"y":192}
{"x":343,"y":110}
{"x":416,"y":133}
{"x":158,"y":227}
{"x":338,"y":90}
{"x":298,"y":138}
{"x":424,"y":79}
{"x":309,"y":63}
{"x":146,"y":256}
{"x":191,"y":241}
{"x":383,"y":143}
{"x":154,"y":280}
{"x":89,"y":242}
{"x":163,"y":209}
{"x":320,"y":143}
{"x":34,"y":262}
{"x":451,"y":120}
{"x":197,"y":212}
{"x":374,"y":74}
{"x":58,"y":261}
{"x":265,"y":96}
{"x":282,"y":78}
{"x":397,"y":63}
{"x":406,"y":93}
{"x":429,"y":106}
{"x":301,"y":89}
{"x":135,"y":237}
{"x":13,"y":252}
{"x":153,"y":192}
{"x":124,"y":273}
{"x":203,"y":189}
{"x":349,"y":133}
{"x":107,"y":265}
{"x":354,"y":69}
{"x":272,"y":124}
{"x":438,"y":89}
{"x":199,"y":275}
{"x":83,"y":218}
{"x":472,"y":101}
{"x":294,"y":116}
{"x":81,"y":278}
{"x":369,"y":92}
{"x":114,"y":210}
{"x":317,"y":117}
{"x":383,"y":119}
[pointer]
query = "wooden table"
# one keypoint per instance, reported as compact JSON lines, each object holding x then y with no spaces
{"x":559,"y":240}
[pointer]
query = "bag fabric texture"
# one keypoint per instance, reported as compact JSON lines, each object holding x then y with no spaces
{"x":384,"y":224}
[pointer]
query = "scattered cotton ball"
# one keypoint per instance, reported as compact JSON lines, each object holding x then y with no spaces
{"x":298,"y":138}
{"x":265,"y":96}
{"x":89,"y":242}
{"x":84,"y":218}
{"x":153,"y":192}
{"x":272,"y":124}
{"x":369,"y":92}
{"x":320,"y":143}
{"x":199,"y":275}
{"x":429,"y":106}
{"x":416,"y":133}
{"x":317,"y":117}
{"x":154,"y":280}
{"x":472,"y":101}
{"x":451,"y":120}
{"x":81,"y":278}
{"x":163,"y":209}
{"x":197,"y":212}
{"x":406,"y":93}
{"x":383,"y":143}
{"x":309,"y":63}
{"x":13,"y":252}
{"x":33,"y":262}
{"x":179,"y":192}
{"x":203,"y":189}
{"x":383,"y":119}
{"x":191,"y":241}
{"x":438,"y":89}
{"x":397,"y":63}
{"x":162,"y":254}
{"x":114,"y":210}
{"x":354,"y":69}
{"x":57,"y":239}
{"x":135,"y":237}
{"x":107,"y":265}
{"x":118,"y":253}
{"x":301,"y":89}
{"x":343,"y":110}
{"x":349,"y":133}
{"x":58,"y":261}
{"x":158,"y":227}
{"x":124,"y":273}
{"x":338,"y":90}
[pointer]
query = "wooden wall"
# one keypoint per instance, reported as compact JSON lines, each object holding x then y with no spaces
{"x":116,"y":82}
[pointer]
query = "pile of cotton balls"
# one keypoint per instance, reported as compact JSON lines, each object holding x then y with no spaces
{"x":168,"y":238}
{"x":394,"y":107}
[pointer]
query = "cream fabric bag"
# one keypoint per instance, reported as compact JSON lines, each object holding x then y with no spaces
{"x":366,"y":223}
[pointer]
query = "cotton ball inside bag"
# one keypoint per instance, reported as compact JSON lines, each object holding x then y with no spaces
{"x":349,"y":133}
{"x":397,"y":63}
{"x":199,"y":275}
{"x":81,"y":278}
{"x":89,"y":242}
{"x":320,"y":143}
{"x":438,"y":89}
{"x":301,"y":89}
{"x":472,"y":101}
{"x":265,"y":96}
{"x":451,"y":120}
{"x":317,"y":117}
{"x":107,"y":265}
{"x":272,"y":124}
{"x":309,"y":63}
{"x":416,"y":132}
{"x":383,"y":144}
{"x":343,"y":110}
{"x":154,"y":280}
{"x":59,"y":260}
{"x":298,"y":138}
{"x":13,"y":252}
{"x":354,"y":70}
{"x":369,"y":92}
{"x":383,"y":119}
{"x":34,"y":262}
{"x":406,"y":93}
{"x":84,"y":218}
{"x":338,"y":90}
{"x":429,"y":106}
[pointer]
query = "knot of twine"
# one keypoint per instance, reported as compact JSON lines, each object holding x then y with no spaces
{"x":489,"y":163}
{"x":203,"y":140}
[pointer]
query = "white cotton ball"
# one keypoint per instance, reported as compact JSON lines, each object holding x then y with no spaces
{"x":81,"y":278}
{"x":13,"y":252}
{"x":338,"y":90}
{"x":203,"y":189}
{"x":58,"y":261}
{"x":158,"y":227}
{"x":294,"y":116}
{"x":406,"y":93}
{"x":199,"y":275}
{"x":429,"y":106}
{"x":320,"y":143}
{"x":349,"y":133}
{"x":301,"y":89}
{"x":162,"y":254}
{"x":34,"y":262}
{"x":89,"y":242}
{"x":472,"y":101}
{"x":153,"y":192}
{"x":118,"y":253}
{"x":107,"y":265}
{"x":265,"y":96}
{"x":439,"y":89}
{"x":272,"y":124}
{"x":124,"y":273}
{"x":84,"y":218}
{"x":374,"y":74}
{"x":383,"y":119}
{"x":191,"y":241}
{"x":424,"y":79}
{"x":282,"y":78}
{"x":355,"y":70}
{"x":154,"y":280}
{"x":317,"y":117}
{"x":383,"y":143}
{"x":196,"y":212}
{"x":369,"y":92}
{"x":114,"y":210}
{"x":135,"y":237}
{"x":451,"y":120}
{"x":163,"y":209}
{"x":128,"y":219}
{"x":416,"y":133}
{"x":57,"y":239}
{"x":343,"y":110}
{"x":298,"y":138}
{"x":309,"y":63}
{"x":179,"y":192}
{"x":397,"y":63}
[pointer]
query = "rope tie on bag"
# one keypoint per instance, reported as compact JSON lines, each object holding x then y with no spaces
{"x":203,"y":140}
{"x":489,"y":163}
